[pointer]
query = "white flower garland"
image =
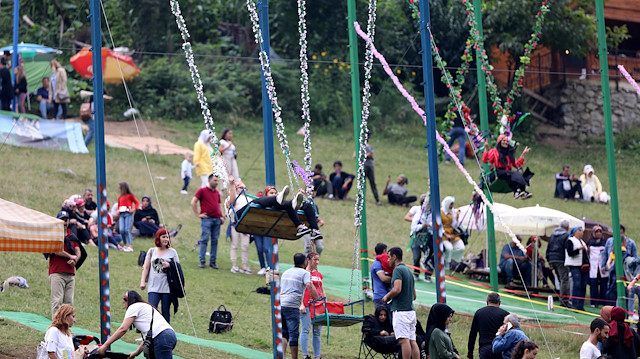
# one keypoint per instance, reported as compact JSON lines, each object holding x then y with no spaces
{"x":304,"y":90}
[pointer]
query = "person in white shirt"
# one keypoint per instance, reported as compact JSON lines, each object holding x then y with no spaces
{"x":599,"y":332}
{"x":58,"y":339}
{"x":186,"y":172}
{"x":144,"y":317}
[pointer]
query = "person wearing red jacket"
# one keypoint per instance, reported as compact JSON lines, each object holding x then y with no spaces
{"x":503,"y":160}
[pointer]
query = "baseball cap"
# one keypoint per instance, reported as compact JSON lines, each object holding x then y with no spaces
{"x":63,"y":214}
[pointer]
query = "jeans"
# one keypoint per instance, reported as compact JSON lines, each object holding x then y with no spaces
{"x":486,"y":352}
{"x":263,"y":247}
{"x":164,"y":343}
{"x":370,"y":174}
{"x":598,"y":288}
{"x":60,"y":113}
{"x":579,"y":287}
{"x":210,"y":228}
{"x":305,"y":318}
{"x":337,"y":183}
{"x":576,"y":188}
{"x":507,"y":267}
{"x":125,"y":222}
{"x":562,"y":273}
{"x":91,"y":124}
{"x":155,"y":298}
{"x":291,"y":325}
{"x":186,"y":183}
{"x":147,"y":229}
{"x":461,"y":135}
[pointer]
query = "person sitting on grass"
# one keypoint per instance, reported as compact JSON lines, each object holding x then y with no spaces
{"x":146,"y":218}
{"x":502,"y":158}
{"x":397,"y":192}
{"x":277,"y":200}
{"x":341,"y":182}
{"x":567,"y":185}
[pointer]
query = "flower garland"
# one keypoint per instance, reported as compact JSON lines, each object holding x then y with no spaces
{"x":364,"y":130}
{"x":518,"y":79}
{"x":270,"y":84}
{"x":439,"y":138}
{"x":629,"y":78}
{"x":304,"y":91}
{"x":219,"y":168}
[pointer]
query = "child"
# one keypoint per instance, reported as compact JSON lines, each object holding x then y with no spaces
{"x":384,"y":261}
{"x":186,"y":170}
{"x":127,"y":205}
{"x":612,"y":256}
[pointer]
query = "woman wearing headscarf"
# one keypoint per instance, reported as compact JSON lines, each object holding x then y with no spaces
{"x":378,"y":332}
{"x":439,"y":344}
{"x":577,"y":260}
{"x":591,"y":186}
{"x":598,"y":274}
{"x":146,"y":218}
{"x":202,"y":151}
{"x":623,"y":342}
{"x":453,"y":244}
{"x":502,"y":158}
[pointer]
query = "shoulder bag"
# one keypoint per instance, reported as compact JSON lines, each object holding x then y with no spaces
{"x":147,"y":344}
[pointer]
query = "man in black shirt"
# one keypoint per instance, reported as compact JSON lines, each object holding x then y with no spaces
{"x":486,"y":323}
{"x":6,"y":88}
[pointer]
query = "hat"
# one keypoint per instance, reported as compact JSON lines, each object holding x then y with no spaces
{"x":574,"y":230}
{"x":79,"y":202}
{"x":596,"y":228}
{"x":63,"y":214}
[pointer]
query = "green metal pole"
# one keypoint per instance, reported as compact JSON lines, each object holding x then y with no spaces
{"x":484,"y":126}
{"x":357,"y":120}
{"x":608,"y":132}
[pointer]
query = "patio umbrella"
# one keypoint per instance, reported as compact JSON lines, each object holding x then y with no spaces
{"x":478,"y":220}
{"x":535,"y":221}
{"x":112,"y":64}
{"x":31,"y":50}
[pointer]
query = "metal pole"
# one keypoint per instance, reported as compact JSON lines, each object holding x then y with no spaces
{"x":484,"y":126}
{"x":432,"y":147}
{"x":357,"y":120}
{"x":608,"y":132}
{"x":270,"y":179}
{"x":101,"y":177}
{"x":14,"y":58}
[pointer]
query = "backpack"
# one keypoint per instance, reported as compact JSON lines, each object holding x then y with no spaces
{"x":141,"y":257}
{"x":221,"y":320}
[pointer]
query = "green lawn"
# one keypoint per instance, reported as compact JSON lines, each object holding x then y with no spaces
{"x":31,"y":178}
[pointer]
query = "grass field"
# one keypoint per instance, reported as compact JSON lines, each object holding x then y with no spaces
{"x":31,"y":178}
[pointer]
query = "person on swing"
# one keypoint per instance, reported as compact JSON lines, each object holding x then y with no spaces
{"x":277,"y":200}
{"x":503,"y":160}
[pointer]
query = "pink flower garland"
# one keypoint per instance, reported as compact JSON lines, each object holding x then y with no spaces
{"x":629,"y":78}
{"x":422,"y":115}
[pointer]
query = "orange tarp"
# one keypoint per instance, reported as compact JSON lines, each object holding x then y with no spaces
{"x":26,"y":230}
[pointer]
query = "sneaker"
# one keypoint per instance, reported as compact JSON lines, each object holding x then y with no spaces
{"x":592,"y":305}
{"x":262,"y":271}
{"x":427,"y":279}
{"x":246,"y":271}
{"x":201,"y":265}
{"x":378,"y":203}
{"x":296,"y":202}
{"x":315,"y":235}
{"x":525,"y":195}
{"x":174,"y":232}
{"x":302,"y":230}
{"x":517,"y":194}
{"x":416,"y":276}
{"x":282,"y":196}
{"x":127,"y":249}
{"x":184,"y":192}
{"x":235,"y":269}
{"x":213,"y":265}
{"x":330,"y":196}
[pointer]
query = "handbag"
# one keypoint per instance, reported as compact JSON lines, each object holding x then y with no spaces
{"x":85,"y":111}
{"x":221,"y":320}
{"x":463,"y":234}
{"x":147,"y":344}
{"x":586,"y":264}
{"x":41,"y":351}
{"x":63,"y":95}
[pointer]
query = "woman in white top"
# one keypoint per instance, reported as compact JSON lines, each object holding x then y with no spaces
{"x":575,"y":256}
{"x":228,"y":152}
{"x":58,"y":339}
{"x":141,"y":314}
{"x":591,"y":186}
{"x":154,"y":272}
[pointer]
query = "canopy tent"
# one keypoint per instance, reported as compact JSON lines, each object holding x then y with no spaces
{"x":535,"y":221}
{"x":35,"y":60}
{"x":26,"y":230}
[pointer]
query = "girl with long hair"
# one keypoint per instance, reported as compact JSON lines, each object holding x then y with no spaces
{"x":58,"y":339}
{"x":525,"y":350}
{"x":21,"y":87}
{"x":156,"y":262}
{"x":58,"y":91}
{"x":127,"y":205}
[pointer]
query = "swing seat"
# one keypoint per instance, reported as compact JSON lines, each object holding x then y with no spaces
{"x":495,"y":184}
{"x":329,"y":314}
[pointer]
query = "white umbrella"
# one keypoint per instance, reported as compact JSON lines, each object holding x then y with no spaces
{"x":535,"y":221}
{"x":475,"y":221}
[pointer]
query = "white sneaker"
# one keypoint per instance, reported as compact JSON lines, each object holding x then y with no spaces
{"x":235,"y":269}
{"x":302,"y":230}
{"x":184,"y":192}
{"x":330,"y":196}
{"x":262,"y":271}
{"x":282,"y":195}
{"x":296,"y":202}
{"x":316,"y":235}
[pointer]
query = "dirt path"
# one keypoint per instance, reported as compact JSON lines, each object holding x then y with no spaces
{"x":123,"y":134}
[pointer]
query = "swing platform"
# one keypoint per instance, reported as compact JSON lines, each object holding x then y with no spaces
{"x":268,"y":222}
{"x":491,"y":181}
{"x":332,"y":314}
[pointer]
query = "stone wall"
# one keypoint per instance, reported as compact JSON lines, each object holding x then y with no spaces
{"x":580,"y":112}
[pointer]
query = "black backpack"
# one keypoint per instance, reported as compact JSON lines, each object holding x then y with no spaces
{"x":221,"y":320}
{"x":141,"y":257}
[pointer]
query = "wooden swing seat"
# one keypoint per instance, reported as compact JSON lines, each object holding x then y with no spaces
{"x":268,"y":222}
